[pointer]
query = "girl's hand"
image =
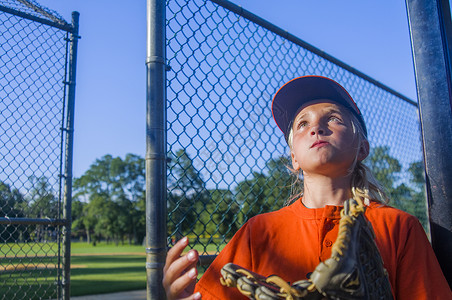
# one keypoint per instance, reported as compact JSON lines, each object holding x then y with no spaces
{"x":179,"y":273}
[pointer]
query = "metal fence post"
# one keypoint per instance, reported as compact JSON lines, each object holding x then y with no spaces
{"x":68,"y":163}
{"x":430,"y":35}
{"x":155,"y":148}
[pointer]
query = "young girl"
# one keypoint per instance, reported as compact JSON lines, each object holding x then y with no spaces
{"x":327,"y":137}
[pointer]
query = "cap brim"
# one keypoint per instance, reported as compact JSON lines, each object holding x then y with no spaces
{"x":295,"y":93}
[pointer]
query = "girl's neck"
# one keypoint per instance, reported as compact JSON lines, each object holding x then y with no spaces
{"x":321,"y":190}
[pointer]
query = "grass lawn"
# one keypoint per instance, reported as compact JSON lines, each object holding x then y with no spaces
{"x":100,"y":248}
{"x":107,"y":268}
{"x":107,"y":274}
{"x":29,"y":273}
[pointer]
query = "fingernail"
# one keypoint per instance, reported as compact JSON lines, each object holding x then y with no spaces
{"x":184,"y":240}
{"x":191,"y":255}
{"x":197,"y":296}
{"x":192,"y":273}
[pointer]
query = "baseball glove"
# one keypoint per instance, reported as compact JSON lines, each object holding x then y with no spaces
{"x":354,"y":270}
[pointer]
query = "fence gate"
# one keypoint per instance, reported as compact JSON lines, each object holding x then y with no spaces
{"x":38,"y":51}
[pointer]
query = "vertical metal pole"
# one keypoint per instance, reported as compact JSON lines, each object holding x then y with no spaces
{"x":155,"y":148}
{"x":429,"y":22}
{"x":68,"y":163}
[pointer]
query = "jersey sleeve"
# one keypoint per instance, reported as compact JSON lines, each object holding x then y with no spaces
{"x":419,"y":275}
{"x":237,"y":251}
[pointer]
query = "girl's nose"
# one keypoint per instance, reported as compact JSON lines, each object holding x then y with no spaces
{"x":316,"y":130}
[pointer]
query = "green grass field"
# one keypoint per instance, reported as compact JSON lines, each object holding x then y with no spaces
{"x":28,"y":273}
{"x":106,"y":268}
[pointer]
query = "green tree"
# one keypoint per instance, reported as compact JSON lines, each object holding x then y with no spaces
{"x":114,"y":189}
{"x":77,"y":227}
{"x":187,"y":196}
{"x":222,"y":213}
{"x":418,"y":205}
{"x":12,"y":204}
{"x":384,"y":167}
{"x":104,"y":213}
{"x":133,"y":200}
{"x":42,"y":203}
{"x":89,"y":220}
{"x":265,"y":191}
{"x":416,"y":170}
{"x":409,"y":196}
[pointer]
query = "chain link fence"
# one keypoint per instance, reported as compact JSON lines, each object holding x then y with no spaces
{"x":35,"y":90}
{"x":228,"y":159}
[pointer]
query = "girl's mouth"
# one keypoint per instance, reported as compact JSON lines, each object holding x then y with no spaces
{"x":319,"y":143}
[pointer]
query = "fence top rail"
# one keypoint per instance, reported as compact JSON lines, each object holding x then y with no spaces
{"x":30,"y":221}
{"x":285,"y":34}
{"x":61,"y":24}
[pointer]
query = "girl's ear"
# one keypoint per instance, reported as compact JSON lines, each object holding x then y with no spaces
{"x":363,"y":150}
{"x":295,"y":164}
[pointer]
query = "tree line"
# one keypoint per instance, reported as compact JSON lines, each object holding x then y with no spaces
{"x":40,"y":202}
{"x":109,"y":198}
{"x":195,"y":209}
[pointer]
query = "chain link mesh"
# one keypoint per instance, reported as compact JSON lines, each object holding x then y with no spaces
{"x":228,"y":158}
{"x":33,"y":60}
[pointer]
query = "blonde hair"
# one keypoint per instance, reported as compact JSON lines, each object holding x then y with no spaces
{"x":363,"y":185}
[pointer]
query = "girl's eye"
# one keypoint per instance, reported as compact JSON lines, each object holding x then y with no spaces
{"x":334,"y":119}
{"x":301,"y":124}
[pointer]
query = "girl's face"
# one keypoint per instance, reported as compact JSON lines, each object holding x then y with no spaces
{"x":324,"y":141}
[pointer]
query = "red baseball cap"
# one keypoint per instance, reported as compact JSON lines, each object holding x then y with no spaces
{"x":292,"y":95}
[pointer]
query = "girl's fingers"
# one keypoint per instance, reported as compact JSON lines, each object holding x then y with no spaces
{"x":184,"y":285}
{"x":175,"y":252}
{"x":173,"y":271}
{"x":196,"y":296}
{"x":179,"y":272}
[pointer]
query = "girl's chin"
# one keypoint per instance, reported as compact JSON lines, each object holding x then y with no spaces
{"x":326,"y":168}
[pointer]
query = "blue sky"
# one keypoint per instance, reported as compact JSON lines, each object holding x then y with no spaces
{"x":371,"y":36}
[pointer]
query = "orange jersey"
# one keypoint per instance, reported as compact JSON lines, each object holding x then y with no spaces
{"x":292,"y":241}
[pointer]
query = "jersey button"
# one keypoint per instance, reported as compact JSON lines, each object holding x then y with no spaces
{"x":328,"y":243}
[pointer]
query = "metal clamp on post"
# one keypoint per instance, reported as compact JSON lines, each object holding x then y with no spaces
{"x":158,"y":60}
{"x":156,"y":156}
{"x":156,"y":252}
